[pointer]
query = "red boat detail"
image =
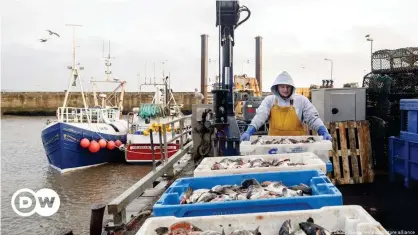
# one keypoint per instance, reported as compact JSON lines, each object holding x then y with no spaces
{"x":143,"y":152}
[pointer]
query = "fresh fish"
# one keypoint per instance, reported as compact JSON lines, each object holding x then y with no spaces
{"x":162,"y":231}
{"x":206,"y":197}
{"x":197,"y":194}
{"x":221,"y":198}
{"x":276,"y":187}
{"x":217,"y":166}
{"x":266,"y":183}
{"x":291,"y":193}
{"x":256,"y":162}
{"x":248,"y":182}
{"x":185,"y":198}
{"x":310,"y":228}
{"x":240,"y":197}
{"x":249,"y":189}
{"x":227,"y":163}
{"x":284,"y":141}
{"x":246,"y":232}
{"x":285,"y":228}
{"x":256,"y":191}
{"x":279,"y":162}
{"x":256,"y":140}
{"x":339,"y":232}
{"x":225,"y":189}
{"x":210,"y":232}
{"x":305,"y":188}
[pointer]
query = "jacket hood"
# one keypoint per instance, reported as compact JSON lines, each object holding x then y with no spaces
{"x":282,"y":79}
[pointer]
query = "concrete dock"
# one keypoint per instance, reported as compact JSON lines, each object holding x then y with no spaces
{"x":46,"y":103}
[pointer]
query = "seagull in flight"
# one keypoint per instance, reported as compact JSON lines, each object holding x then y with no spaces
{"x":43,"y":39}
{"x":51,"y":33}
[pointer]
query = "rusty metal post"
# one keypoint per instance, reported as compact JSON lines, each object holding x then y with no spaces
{"x":152,"y":149}
{"x":204,"y":67}
{"x":96,"y":220}
{"x":161,"y":144}
{"x":259,"y":61}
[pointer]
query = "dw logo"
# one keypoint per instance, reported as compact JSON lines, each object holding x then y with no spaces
{"x":45,"y":202}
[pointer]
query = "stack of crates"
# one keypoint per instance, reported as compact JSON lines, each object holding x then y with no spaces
{"x":403,"y":150}
{"x":324,"y":204}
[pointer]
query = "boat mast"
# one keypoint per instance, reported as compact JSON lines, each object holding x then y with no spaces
{"x":74,"y":72}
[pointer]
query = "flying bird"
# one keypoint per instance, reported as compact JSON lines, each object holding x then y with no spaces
{"x":43,"y":39}
{"x":51,"y":33}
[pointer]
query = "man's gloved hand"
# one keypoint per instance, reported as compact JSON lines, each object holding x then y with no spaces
{"x":246,"y":135}
{"x":322,"y":131}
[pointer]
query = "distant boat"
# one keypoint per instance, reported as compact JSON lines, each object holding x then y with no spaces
{"x":151,"y":116}
{"x":87,"y":136}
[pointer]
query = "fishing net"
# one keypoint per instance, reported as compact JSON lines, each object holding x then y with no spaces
{"x":150,"y":111}
{"x":384,"y":92}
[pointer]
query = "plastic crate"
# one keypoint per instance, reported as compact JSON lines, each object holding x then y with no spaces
{"x":403,"y":159}
{"x":310,"y":159}
{"x":409,"y":119}
{"x":321,"y":147}
{"x":349,"y":219}
{"x":324,"y":193}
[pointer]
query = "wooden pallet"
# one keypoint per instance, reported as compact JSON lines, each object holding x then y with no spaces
{"x":351,"y":153}
{"x":304,"y":91}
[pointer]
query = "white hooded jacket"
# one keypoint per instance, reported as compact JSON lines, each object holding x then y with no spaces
{"x":305,"y":110}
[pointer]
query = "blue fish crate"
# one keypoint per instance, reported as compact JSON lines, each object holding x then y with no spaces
{"x":324,"y":193}
{"x":409,"y":119}
{"x":403,"y":159}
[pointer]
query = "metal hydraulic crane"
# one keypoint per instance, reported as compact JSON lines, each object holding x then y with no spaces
{"x":224,"y":122}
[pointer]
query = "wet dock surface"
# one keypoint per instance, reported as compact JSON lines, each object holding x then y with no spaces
{"x":391,"y":204}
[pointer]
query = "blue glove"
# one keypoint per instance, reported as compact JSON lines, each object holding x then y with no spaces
{"x":322,"y":131}
{"x":246,"y":135}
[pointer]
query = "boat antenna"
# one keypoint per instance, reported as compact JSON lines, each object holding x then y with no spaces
{"x":74,"y":71}
{"x":154,"y":71}
{"x":108,"y":64}
{"x":146,"y":66}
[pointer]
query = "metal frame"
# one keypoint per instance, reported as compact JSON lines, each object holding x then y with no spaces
{"x":117,"y":207}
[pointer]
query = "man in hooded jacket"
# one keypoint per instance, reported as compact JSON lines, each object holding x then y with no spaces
{"x":287,"y":111}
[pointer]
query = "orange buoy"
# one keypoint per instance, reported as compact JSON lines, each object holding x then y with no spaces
{"x":85,"y":143}
{"x":111,"y":145}
{"x":118,"y":143}
{"x":102,"y":143}
{"x":94,"y":146}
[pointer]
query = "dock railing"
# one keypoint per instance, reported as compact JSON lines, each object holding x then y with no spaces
{"x":83,"y":115}
{"x":117,"y":207}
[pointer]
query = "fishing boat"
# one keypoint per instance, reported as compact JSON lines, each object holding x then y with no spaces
{"x":147,"y":121}
{"x":87,"y":136}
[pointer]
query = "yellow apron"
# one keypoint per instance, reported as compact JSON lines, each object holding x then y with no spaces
{"x":284,"y":121}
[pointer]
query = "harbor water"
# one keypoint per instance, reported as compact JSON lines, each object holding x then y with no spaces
{"x":24,"y":165}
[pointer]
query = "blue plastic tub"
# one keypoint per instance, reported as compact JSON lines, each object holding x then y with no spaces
{"x":324,"y":193}
{"x":409,"y":119}
{"x":403,"y":159}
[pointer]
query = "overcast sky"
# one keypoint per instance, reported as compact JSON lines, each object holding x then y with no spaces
{"x":297,"y":36}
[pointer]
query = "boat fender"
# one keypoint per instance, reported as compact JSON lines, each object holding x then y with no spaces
{"x":85,"y":143}
{"x":94,"y":146}
{"x":111,"y":145}
{"x":102,"y":143}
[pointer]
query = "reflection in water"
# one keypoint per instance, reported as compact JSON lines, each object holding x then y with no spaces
{"x":24,"y":165}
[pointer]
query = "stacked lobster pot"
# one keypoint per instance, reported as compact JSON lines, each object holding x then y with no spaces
{"x":277,"y":186}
